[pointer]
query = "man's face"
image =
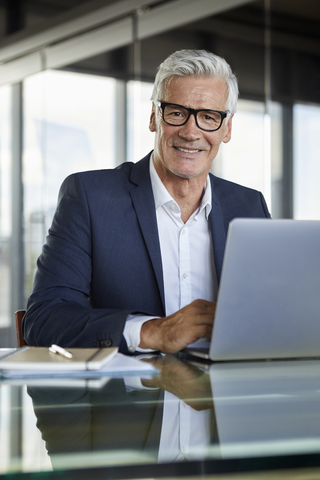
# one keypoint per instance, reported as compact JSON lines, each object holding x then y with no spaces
{"x":187,"y":151}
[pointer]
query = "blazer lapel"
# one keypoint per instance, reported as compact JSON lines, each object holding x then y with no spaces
{"x":218,"y":231}
{"x":143,"y":202}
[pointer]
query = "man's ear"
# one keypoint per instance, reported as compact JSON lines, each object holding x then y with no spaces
{"x":227,"y":133}
{"x":152,"y":121}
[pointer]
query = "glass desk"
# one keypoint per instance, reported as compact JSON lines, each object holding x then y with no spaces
{"x":230,"y":420}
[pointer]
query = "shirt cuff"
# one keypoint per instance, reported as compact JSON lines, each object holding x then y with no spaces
{"x":132,"y":331}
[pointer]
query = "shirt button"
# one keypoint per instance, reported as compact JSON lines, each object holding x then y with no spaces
{"x":131,"y":349}
{"x":183,"y":449}
{"x":183,"y":232}
{"x":184,"y":275}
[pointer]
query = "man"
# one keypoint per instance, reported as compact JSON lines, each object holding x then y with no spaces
{"x":134,"y":254}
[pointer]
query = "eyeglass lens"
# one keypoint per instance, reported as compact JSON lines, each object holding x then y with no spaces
{"x":177,"y":115}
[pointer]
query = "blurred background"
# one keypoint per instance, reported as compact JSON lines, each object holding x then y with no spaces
{"x":75,"y":84}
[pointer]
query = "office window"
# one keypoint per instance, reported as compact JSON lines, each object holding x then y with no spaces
{"x":253,"y":157}
{"x":69,"y":126}
{"x":306,"y":191}
{"x":5,"y":204}
{"x":242,"y":160}
{"x":139,"y":138}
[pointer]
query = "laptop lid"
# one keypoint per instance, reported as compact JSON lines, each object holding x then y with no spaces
{"x":269,"y":297}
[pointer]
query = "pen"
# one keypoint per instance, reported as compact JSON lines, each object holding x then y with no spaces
{"x":61,"y":351}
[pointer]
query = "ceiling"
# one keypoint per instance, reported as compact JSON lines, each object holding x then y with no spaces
{"x":298,"y":8}
{"x":36,"y":14}
{"x":237,"y":34}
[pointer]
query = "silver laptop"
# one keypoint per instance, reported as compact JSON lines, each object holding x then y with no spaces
{"x":268,"y":304}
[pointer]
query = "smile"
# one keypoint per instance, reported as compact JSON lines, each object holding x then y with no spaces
{"x":186,"y":150}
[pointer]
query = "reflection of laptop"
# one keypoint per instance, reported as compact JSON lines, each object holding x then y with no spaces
{"x":266,"y":408}
{"x":269,"y":297}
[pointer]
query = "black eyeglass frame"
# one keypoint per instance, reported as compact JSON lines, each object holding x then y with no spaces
{"x":192,"y":111}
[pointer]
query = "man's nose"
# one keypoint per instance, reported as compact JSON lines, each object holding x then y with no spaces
{"x":190,"y":129}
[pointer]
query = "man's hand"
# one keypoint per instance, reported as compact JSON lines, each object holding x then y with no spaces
{"x":172,"y":334}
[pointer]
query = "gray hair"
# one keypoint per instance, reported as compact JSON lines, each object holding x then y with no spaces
{"x":196,"y":62}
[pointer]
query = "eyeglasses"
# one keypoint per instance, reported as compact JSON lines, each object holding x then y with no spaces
{"x":177,"y":115}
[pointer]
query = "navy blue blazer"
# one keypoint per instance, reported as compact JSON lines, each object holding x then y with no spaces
{"x":102,"y":260}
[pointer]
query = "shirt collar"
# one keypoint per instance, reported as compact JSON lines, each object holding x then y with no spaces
{"x":162,"y":196}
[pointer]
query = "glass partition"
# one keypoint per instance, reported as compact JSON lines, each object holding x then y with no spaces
{"x":69,"y":126}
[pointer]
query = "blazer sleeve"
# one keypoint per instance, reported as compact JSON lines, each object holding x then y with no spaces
{"x":59,"y":309}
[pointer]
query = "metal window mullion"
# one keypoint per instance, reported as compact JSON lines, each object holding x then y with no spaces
{"x":287,"y":195}
{"x":16,"y":248}
{"x":121,"y":122}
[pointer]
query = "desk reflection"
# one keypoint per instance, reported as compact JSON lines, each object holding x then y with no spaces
{"x":165,"y":418}
{"x":186,"y":413}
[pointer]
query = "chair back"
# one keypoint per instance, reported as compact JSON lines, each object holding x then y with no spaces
{"x":19,"y":314}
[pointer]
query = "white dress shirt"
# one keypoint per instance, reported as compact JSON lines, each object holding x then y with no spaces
{"x":186,"y":252}
{"x":185,"y":432}
{"x":189,"y":273}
